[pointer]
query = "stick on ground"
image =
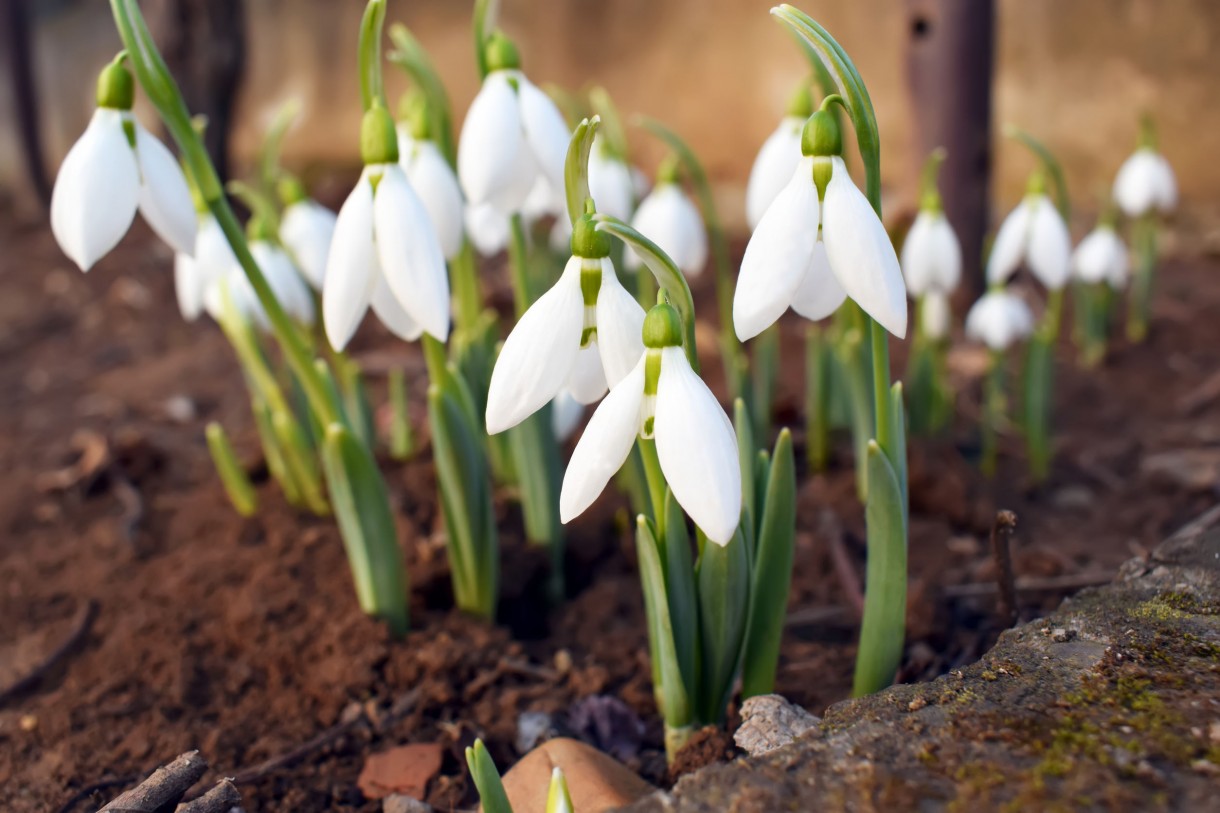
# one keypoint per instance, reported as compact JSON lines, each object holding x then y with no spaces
{"x":160,"y":792}
{"x":223,"y":798}
{"x":1006,"y":597}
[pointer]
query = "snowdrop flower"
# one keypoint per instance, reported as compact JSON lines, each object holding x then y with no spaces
{"x":306,"y":230}
{"x":488,"y":228}
{"x":287,"y":285}
{"x":1101,"y":257}
{"x":582,"y":335}
{"x":935,"y":315}
{"x":931,"y":254}
{"x":433,"y":180}
{"x":1145,"y":181}
{"x":998,"y":319}
{"x":663,"y":398}
{"x":513,"y":135}
{"x":115,"y":168}
{"x":789,"y":261}
{"x":385,"y":253}
{"x":195,"y":275}
{"x":670,"y":219}
{"x":777,"y":159}
{"x":1033,"y":234}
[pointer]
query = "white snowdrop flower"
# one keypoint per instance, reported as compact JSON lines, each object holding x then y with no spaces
{"x":789,"y":261}
{"x":1101,"y":257}
{"x":566,"y":413}
{"x":931,"y":255}
{"x":488,"y":228}
{"x":778,"y":157}
{"x":306,"y":230}
{"x":195,"y":275}
{"x":512,"y":136}
{"x":1145,"y":182}
{"x":286,"y":282}
{"x":998,"y":319}
{"x":671,"y":220}
{"x":1035,"y":235}
{"x":662,"y":398}
{"x":935,"y":315}
{"x":582,"y":335}
{"x":114,"y":169}
{"x":433,"y":180}
{"x":385,"y":253}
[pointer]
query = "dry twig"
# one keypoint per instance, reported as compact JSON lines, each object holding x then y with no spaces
{"x":1001,"y":534}
{"x":163,"y":789}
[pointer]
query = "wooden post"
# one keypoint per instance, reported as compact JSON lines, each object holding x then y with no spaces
{"x":17,"y":38}
{"x":950,"y":61}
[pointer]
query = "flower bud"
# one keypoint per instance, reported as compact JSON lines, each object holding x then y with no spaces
{"x":378,"y":137}
{"x":801,"y":103}
{"x":662,"y":327}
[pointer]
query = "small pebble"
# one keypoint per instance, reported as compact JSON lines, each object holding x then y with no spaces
{"x":398,"y":803}
{"x":1061,"y":636}
{"x":180,"y":409}
{"x":27,"y":723}
{"x":916,"y":704}
{"x":563,"y":661}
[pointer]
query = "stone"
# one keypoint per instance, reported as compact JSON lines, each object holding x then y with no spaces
{"x":1191,"y":469}
{"x":398,"y":803}
{"x":405,"y":770}
{"x":596,"y":782}
{"x":769,"y":721}
{"x":1110,"y":699}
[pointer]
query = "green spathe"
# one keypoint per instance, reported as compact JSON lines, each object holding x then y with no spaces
{"x":501,"y":53}
{"x":115,"y":87}
{"x":378,"y":136}
{"x":587,"y":241}
{"x":662,"y":327}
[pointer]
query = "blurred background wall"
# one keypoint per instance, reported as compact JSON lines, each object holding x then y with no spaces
{"x":1076,"y":73}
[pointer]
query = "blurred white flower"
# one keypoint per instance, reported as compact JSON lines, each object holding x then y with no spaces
{"x":773,"y":167}
{"x":935,"y":315}
{"x":998,"y":319}
{"x":1035,"y":235}
{"x":306,"y":230}
{"x":1101,"y":257}
{"x":195,"y":275}
{"x":671,"y":220}
{"x":931,"y":255}
{"x":1145,"y":182}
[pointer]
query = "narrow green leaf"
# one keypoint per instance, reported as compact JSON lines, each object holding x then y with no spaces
{"x":885,"y":585}
{"x":764,"y":369}
{"x":746,"y":451}
{"x":234,"y":478}
{"x":536,"y":462}
{"x":299,"y":460}
{"x":772,"y":573}
{"x":576,"y":167}
{"x":817,"y":398}
{"x":413,"y":58}
{"x":897,"y":453}
{"x":482,"y":26}
{"x":680,"y":588}
{"x":724,"y":603}
{"x":676,"y":707}
{"x":487,"y":779}
{"x":362,"y":507}
{"x":274,"y":455}
{"x":371,"y":87}
{"x":401,"y":440}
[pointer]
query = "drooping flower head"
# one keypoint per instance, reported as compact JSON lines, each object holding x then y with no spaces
{"x":1033,"y":235}
{"x":431,"y":177}
{"x":1145,"y":182}
{"x":582,"y":335}
{"x":114,"y":169}
{"x":671,"y":220}
{"x":662,"y":398}
{"x":306,"y":230}
{"x":818,"y":243}
{"x":778,"y":157}
{"x":195,"y":276}
{"x":1102,"y":255}
{"x":385,"y":253}
{"x":998,"y":319}
{"x":931,"y":253}
{"x":286,"y":282}
{"x":513,"y":136}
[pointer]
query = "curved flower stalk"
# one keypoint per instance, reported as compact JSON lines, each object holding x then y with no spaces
{"x":778,"y":157}
{"x":932,"y":267}
{"x":1100,"y":266}
{"x":1144,"y":188}
{"x":998,"y":320}
{"x":582,"y":335}
{"x":662,"y":398}
{"x":114,"y":169}
{"x":818,"y":243}
{"x":513,"y":135}
{"x":671,"y":220}
{"x":306,"y":230}
{"x":385,"y":253}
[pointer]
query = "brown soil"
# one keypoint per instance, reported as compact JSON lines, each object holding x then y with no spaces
{"x":243,"y":638}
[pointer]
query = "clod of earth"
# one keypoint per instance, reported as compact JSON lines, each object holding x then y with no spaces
{"x":1108,"y":704}
{"x":595,"y":781}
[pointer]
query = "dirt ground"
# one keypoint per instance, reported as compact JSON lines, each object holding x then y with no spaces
{"x":243,"y":638}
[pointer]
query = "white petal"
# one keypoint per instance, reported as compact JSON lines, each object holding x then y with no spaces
{"x":663,"y":219}
{"x":566,"y":413}
{"x":931,"y":255}
{"x":351,"y":267}
{"x":437,"y":187}
{"x":491,"y":139}
{"x":306,"y":229}
{"x":861,"y":254}
{"x":610,"y":184}
{"x":96,"y":192}
{"x":697,"y":448}
{"x":488,"y":228}
{"x":538,"y":354}
{"x":165,"y":199}
{"x":819,"y":294}
{"x":1166,"y":186}
{"x":286,"y":283}
{"x":935,"y":315}
{"x":542,"y":200}
{"x":409,"y":252}
{"x":587,"y":382}
{"x":620,"y":326}
{"x":773,"y":168}
{"x":1008,"y":250}
{"x":1138,"y":185}
{"x":778,"y":255}
{"x":1050,"y":245}
{"x":391,"y":314}
{"x":545,"y":131}
{"x":1095,"y":259}
{"x":998,"y":319}
{"x":187,"y":288}
{"x":193,"y":276}
{"x":603,"y":447}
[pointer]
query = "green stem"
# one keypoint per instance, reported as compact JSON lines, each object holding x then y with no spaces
{"x":518,"y":266}
{"x":993,"y":412}
{"x":817,"y":399}
{"x":655,"y":479}
{"x":1143,"y":236}
{"x":464,"y":277}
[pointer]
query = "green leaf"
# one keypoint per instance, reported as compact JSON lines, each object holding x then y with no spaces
{"x":746,"y":452}
{"x":236,"y":483}
{"x":299,"y":460}
{"x":371,"y":86}
{"x":487,"y":779}
{"x":411,"y":56}
{"x":362,"y":507}
{"x":885,"y":585}
{"x":401,"y":440}
{"x":772,"y":573}
{"x":897,"y":453}
{"x":724,"y":603}
{"x":765,"y":372}
{"x":576,"y":167}
{"x":273,"y":454}
{"x":680,"y":589}
{"x":1050,"y":164}
{"x":482,"y":25}
{"x":818,"y":372}
{"x":676,"y":706}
